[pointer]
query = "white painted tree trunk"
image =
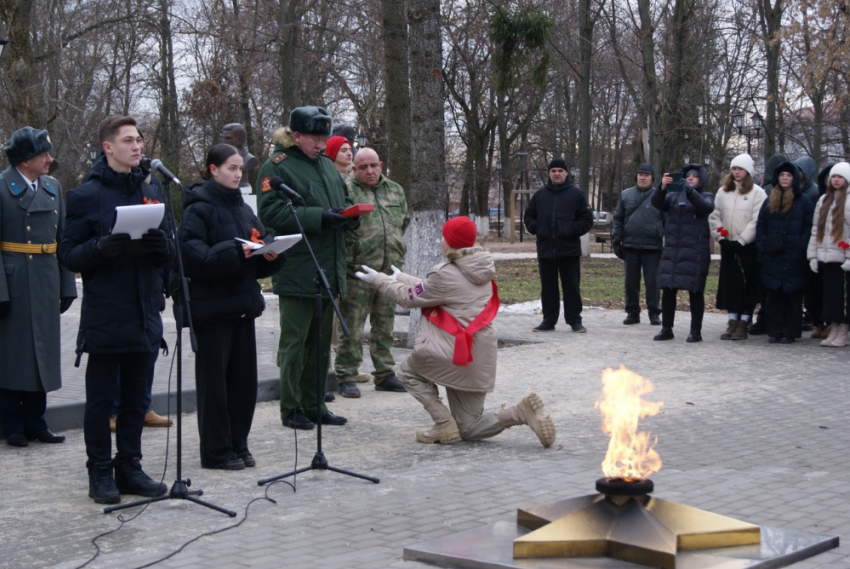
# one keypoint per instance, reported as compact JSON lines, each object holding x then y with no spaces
{"x":423,"y":252}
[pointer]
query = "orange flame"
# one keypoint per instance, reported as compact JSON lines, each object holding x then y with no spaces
{"x":630,"y":454}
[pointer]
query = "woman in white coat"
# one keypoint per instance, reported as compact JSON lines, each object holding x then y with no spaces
{"x":733,"y":226}
{"x":456,"y":346}
{"x":829,"y":253}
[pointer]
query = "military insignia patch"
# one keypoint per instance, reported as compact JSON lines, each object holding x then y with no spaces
{"x":266,"y":185}
{"x":419,"y":289}
{"x":279,"y":158}
{"x":409,"y":293}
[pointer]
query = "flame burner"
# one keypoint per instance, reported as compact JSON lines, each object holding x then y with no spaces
{"x":624,"y":487}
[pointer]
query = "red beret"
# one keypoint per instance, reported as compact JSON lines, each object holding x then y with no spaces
{"x":460,"y":232}
{"x":333,"y":145}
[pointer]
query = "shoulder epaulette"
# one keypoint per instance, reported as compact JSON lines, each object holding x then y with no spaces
{"x":279,"y":158}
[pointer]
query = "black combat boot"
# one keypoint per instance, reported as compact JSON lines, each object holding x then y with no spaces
{"x":131,"y":479}
{"x":101,"y":485}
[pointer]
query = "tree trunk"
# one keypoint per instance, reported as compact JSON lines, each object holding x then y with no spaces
{"x":19,"y":64}
{"x":585,"y":106}
{"x":289,"y":60}
{"x":428,"y":173}
{"x":398,"y":91}
{"x":771,"y":21}
{"x":169,"y":127}
{"x":652,"y":107}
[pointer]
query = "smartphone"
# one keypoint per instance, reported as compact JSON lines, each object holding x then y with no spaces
{"x":676,"y":185}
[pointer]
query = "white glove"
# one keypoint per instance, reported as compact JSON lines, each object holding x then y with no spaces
{"x":368,"y":274}
{"x":845,"y":266}
{"x":396,"y":272}
{"x":813,"y":263}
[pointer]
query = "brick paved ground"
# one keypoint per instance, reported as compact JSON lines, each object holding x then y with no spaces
{"x":750,"y":430}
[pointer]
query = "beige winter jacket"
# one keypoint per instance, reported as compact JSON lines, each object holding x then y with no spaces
{"x":828,"y":251}
{"x":737,"y":214}
{"x":462,"y":288}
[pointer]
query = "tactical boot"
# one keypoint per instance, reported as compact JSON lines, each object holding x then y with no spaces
{"x":740,"y":332}
{"x":632,"y":318}
{"x":131,"y":479}
{"x":101,"y":485}
{"x":727,"y":335}
{"x":530,"y":412}
{"x":443,"y":430}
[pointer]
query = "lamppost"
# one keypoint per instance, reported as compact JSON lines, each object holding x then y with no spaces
{"x":93,"y":150}
{"x":499,"y":207}
{"x":687,"y":158}
{"x":751,"y":132}
{"x":361,"y":140}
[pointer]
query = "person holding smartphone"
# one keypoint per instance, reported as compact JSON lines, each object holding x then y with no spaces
{"x":686,"y":253}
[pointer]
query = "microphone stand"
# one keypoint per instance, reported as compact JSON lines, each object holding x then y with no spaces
{"x":319,"y":461}
{"x":180,"y":488}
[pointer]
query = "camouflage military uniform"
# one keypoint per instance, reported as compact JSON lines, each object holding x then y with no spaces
{"x":377,"y":243}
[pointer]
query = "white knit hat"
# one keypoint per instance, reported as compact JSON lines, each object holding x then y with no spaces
{"x":745,"y":162}
{"x":841,"y":169}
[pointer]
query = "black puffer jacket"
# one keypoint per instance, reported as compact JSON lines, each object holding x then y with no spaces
{"x":638,"y":225}
{"x":558,"y":216}
{"x":686,"y":253}
{"x":788,"y":270}
{"x":222,"y":281}
{"x":123,"y":296}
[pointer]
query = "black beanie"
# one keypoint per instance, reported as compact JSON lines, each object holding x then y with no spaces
{"x":558,"y":163}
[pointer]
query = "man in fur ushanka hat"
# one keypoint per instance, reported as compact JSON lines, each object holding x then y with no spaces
{"x":298,"y":161}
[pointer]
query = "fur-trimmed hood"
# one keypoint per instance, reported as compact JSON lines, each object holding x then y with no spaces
{"x":283,"y":137}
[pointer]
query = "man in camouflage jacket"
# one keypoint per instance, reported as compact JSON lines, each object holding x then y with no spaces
{"x":379,"y":243}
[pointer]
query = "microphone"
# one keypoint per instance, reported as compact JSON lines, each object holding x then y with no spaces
{"x":278,"y":184}
{"x":156,"y":164}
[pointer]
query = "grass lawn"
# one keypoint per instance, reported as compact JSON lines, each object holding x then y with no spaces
{"x":601,"y":283}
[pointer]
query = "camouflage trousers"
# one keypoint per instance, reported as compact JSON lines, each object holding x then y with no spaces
{"x":362,"y":300}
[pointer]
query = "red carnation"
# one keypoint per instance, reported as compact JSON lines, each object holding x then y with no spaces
{"x":844,"y":244}
{"x":720,"y":229}
{"x":723,"y":232}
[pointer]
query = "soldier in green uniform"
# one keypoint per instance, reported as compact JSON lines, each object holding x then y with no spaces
{"x":379,"y":243}
{"x":298,"y":161}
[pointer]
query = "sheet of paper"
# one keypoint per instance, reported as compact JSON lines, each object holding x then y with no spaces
{"x":280,"y":244}
{"x":137,"y":219}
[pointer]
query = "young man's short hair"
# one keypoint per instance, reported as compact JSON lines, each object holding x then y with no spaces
{"x":110,"y":126}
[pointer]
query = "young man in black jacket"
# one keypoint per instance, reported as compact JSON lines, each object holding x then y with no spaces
{"x":558,"y":214}
{"x":120,"y":323}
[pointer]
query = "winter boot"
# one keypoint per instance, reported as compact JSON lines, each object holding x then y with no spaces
{"x":101,"y":485}
{"x":530,"y":412}
{"x":727,"y":335}
{"x":131,"y":479}
{"x":833,"y":333}
{"x":444,"y":429}
{"x":821,"y":332}
{"x":841,"y":339}
{"x":740,"y":332}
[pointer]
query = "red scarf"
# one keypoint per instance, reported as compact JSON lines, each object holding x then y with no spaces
{"x":463,"y":336}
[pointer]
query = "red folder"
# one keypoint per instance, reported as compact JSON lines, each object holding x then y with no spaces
{"x":358,"y":210}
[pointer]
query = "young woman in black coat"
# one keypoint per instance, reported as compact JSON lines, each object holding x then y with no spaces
{"x":686,"y":253}
{"x":226,"y":299}
{"x":782,"y":237}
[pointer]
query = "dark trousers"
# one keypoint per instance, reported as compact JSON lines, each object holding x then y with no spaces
{"x":226,"y":382}
{"x":117,"y":400}
{"x":836,"y":293}
{"x":569,"y":270}
{"x":737,"y":287}
{"x":296,"y":355}
{"x":101,"y":371}
{"x":647,"y":260}
{"x":668,"y":307}
{"x":22,"y":411}
{"x":784,"y":313}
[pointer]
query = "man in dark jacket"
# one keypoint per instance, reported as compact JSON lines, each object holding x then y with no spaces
{"x":558,"y":214}
{"x":120,"y":323}
{"x":639,"y":230}
{"x":34,"y":289}
{"x":298,"y":161}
